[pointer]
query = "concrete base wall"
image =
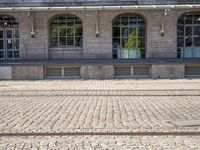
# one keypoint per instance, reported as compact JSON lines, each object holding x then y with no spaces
{"x":168,"y":71}
{"x":90,"y":72}
{"x":27,"y":73}
{"x":6,"y":73}
{"x":97,"y":72}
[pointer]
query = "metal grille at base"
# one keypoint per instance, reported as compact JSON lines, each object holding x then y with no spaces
{"x":192,"y":70}
{"x":62,"y":72}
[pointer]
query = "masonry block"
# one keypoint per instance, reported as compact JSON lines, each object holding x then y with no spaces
{"x":97,"y":72}
{"x":27,"y":73}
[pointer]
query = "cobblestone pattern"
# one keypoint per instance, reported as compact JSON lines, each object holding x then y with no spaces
{"x":100,"y":143}
{"x":92,"y":105}
{"x":69,"y":105}
{"x":148,"y":84}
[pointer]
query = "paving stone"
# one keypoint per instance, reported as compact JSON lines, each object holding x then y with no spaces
{"x":98,"y":106}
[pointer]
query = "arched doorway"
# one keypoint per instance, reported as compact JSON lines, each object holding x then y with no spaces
{"x":188,"y":36}
{"x":129,"y":37}
{"x":9,"y":38}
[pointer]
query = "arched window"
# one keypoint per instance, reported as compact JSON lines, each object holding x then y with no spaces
{"x":66,"y":31}
{"x":9,"y":37}
{"x":129,"y":36}
{"x":188,"y":36}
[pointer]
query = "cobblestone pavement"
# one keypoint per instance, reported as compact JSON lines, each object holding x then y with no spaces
{"x":100,"y":143}
{"x":98,"y":105}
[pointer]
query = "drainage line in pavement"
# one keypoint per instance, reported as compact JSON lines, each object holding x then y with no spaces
{"x":104,"y":134}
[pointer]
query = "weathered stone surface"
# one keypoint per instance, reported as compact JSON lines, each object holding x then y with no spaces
{"x":27,"y":73}
{"x":168,"y":71}
{"x":5,"y":73}
{"x":97,"y":72}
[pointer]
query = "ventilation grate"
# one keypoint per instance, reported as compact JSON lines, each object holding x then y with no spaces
{"x":62,"y":72}
{"x":192,"y":71}
{"x":123,"y":71}
{"x":53,"y":72}
{"x":72,"y":71}
{"x":132,"y":71}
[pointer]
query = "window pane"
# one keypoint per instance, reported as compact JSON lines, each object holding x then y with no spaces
{"x":9,"y":22}
{"x":197,"y":41}
{"x":62,"y":40}
{"x":197,"y":19}
{"x":181,"y":20}
{"x":79,"y":32}
{"x":188,"y":41}
{"x":62,"y":21}
{"x":9,"y":33}
{"x":125,"y":32}
{"x":1,"y":54}
{"x":62,"y":32}
{"x":70,"y":31}
{"x":1,"y":44}
{"x":16,"y":54}
{"x":196,"y":30}
{"x":78,"y":21}
{"x":124,"y":21}
{"x":79,"y":41}
{"x":180,"y":31}
{"x":14,"y":22}
{"x":133,"y":20}
{"x":116,"y":22}
{"x":70,"y":41}
{"x":54,"y":22}
{"x":54,"y":31}
{"x":140,"y":21}
{"x":188,"y":19}
{"x":125,"y":43}
{"x":54,"y":41}
{"x":116,"y":43}
{"x":17,"y":44}
{"x":116,"y":31}
{"x":142,"y":53}
{"x":70,"y":21}
{"x":10,"y":54}
{"x":179,"y":52}
{"x":188,"y":31}
{"x":16,"y":35}
{"x":9,"y":44}
{"x":1,"y":34}
{"x":180,"y":42}
{"x":141,"y":31}
{"x":131,"y":30}
{"x":141,"y":42}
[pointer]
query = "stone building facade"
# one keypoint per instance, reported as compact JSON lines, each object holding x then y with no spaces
{"x":91,"y":53}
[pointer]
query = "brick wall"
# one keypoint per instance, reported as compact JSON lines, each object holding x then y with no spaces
{"x":157,"y":46}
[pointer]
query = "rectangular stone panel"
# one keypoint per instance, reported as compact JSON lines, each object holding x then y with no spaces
{"x":27,"y":72}
{"x":5,"y":72}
